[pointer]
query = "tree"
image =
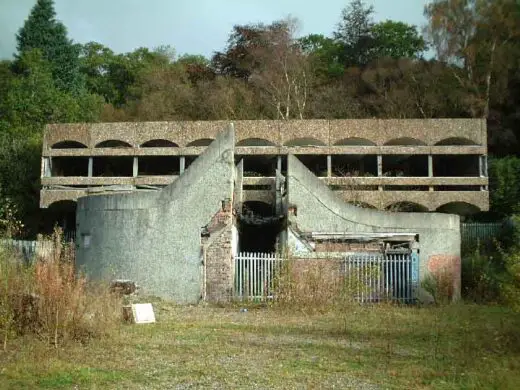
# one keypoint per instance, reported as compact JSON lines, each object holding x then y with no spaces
{"x":33,"y":100}
{"x":354,"y":33}
{"x":42,"y":31}
{"x":396,"y":40}
{"x":324,"y":54}
{"x":269,"y":58}
{"x":481,"y":37}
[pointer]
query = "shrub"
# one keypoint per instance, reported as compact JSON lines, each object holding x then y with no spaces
{"x":48,"y":298}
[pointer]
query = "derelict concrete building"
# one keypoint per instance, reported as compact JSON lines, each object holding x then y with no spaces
{"x":157,"y":205}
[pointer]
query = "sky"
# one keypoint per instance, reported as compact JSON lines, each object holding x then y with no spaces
{"x":189,"y":26}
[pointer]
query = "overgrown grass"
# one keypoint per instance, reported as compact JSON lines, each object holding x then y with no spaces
{"x":450,"y":347}
{"x":48,"y":299}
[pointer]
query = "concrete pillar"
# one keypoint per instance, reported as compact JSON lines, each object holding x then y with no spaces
{"x":430,"y":170}
{"x":380,"y":169}
{"x":47,"y":167}
{"x":90,"y":166}
{"x":136,"y":167}
{"x":329,"y":166}
{"x":483,"y":166}
{"x":182,"y":164}
{"x":279,"y":164}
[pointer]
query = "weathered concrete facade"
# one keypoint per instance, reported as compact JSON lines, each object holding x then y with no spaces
{"x":154,"y":237}
{"x":314,"y":208}
{"x":179,"y":241}
{"x":437,"y":164}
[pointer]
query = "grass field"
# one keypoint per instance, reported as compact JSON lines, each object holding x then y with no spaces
{"x":454,"y":347}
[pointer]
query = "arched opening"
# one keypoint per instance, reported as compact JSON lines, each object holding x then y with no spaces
{"x":354,"y":141}
{"x":456,"y":141}
{"x":459,"y":208}
{"x":68,"y":145}
{"x":255,"y":142}
{"x":258,"y":227}
{"x":62,"y":214}
{"x":407,"y":207}
{"x":302,"y":142}
{"x":405,"y":141}
{"x":113,"y":143}
{"x":201,"y":142}
{"x":159,"y":143}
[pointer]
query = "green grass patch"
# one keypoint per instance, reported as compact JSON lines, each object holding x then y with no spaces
{"x":452,"y":347}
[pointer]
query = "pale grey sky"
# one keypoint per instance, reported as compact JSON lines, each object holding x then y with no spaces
{"x":190,"y":26}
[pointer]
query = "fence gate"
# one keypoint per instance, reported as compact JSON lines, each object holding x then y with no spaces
{"x":382,"y":277}
{"x":255,"y":275}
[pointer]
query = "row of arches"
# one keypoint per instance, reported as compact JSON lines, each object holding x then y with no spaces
{"x":260,"y":142}
{"x":459,"y":208}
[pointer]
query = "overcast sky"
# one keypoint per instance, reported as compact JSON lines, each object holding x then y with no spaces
{"x":190,"y":26}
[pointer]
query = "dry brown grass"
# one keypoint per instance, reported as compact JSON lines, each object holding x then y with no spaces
{"x":317,"y":285}
{"x":49,"y":299}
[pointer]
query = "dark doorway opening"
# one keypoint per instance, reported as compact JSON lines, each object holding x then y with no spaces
{"x":60,"y":214}
{"x":258,"y":228}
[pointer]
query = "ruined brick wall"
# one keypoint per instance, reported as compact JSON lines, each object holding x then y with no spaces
{"x":218,"y":256}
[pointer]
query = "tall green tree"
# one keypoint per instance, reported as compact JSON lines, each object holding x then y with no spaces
{"x":354,"y":33}
{"x":43,"y":32}
{"x":396,"y":40}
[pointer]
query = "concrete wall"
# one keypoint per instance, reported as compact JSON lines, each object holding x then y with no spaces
{"x":154,"y":238}
{"x":277,"y":132}
{"x":318,"y":209}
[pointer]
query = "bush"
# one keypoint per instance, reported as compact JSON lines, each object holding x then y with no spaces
{"x":48,"y":298}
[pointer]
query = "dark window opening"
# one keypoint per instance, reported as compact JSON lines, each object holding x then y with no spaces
{"x":406,"y":188}
{"x":258,"y":166}
{"x":352,"y":187}
{"x":259,"y":187}
{"x":112,"y":143}
{"x":405,"y":166}
{"x":457,"y":188}
{"x":317,"y":164}
{"x":188,"y":160}
{"x":69,"y":166}
{"x":113,"y":166}
{"x":159,"y":143}
{"x":159,"y":166}
{"x":354,"y":165}
{"x":68,"y":145}
{"x":456,"y":166}
{"x":258,"y":228}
